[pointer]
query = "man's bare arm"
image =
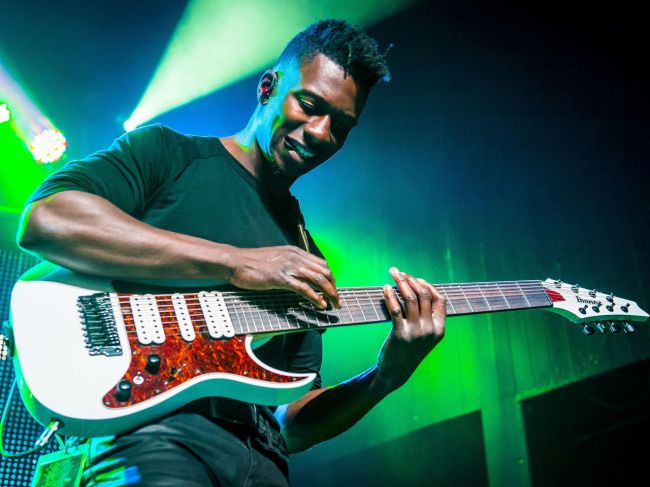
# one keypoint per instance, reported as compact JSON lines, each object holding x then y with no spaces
{"x":87,"y":233}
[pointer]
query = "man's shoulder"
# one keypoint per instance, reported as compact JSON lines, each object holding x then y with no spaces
{"x":159,"y":135}
{"x":160,"y":130}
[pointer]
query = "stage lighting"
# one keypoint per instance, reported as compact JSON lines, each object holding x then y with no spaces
{"x":220,"y":42}
{"x":48,"y":146}
{"x":129,"y":125}
{"x":5,"y":114}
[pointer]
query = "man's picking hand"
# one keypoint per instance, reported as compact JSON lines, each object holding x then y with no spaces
{"x":285,"y":267}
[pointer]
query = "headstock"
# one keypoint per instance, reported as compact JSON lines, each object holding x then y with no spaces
{"x":595,"y":310}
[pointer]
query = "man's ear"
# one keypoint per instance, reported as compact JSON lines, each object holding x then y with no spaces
{"x":266,"y":86}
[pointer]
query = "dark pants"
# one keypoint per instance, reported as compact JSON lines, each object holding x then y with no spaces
{"x":185,"y":449}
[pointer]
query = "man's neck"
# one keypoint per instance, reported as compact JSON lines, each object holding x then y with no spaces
{"x":243,"y":146}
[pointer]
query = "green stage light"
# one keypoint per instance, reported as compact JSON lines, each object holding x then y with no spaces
{"x":219,"y":42}
{"x":5,"y":114}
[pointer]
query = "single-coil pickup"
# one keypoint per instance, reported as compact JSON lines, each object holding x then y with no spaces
{"x":183,"y":317}
{"x":146,"y":318}
{"x":216,"y":315}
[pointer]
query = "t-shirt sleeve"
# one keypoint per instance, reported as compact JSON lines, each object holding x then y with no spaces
{"x":128,"y":173}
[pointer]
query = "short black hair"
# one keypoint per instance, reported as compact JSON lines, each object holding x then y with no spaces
{"x":345,"y":44}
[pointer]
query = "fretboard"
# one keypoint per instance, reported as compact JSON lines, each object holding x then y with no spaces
{"x":279,"y":311}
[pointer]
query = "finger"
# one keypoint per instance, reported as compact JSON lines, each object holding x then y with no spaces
{"x":320,"y":281}
{"x":409,"y":297}
{"x":306,"y":291}
{"x":320,"y":276}
{"x":393,"y":306}
{"x":424,"y":297}
{"x":439,"y":311}
{"x":438,"y":300}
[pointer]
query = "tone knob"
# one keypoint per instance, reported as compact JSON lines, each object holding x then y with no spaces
{"x":123,"y":392}
{"x":153,"y":364}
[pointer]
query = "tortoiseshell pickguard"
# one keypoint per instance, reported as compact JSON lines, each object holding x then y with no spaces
{"x":182,"y":360}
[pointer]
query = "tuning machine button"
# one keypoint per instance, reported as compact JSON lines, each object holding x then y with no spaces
{"x":123,"y":392}
{"x":558,"y":283}
{"x":628,"y":327}
{"x":596,"y":308}
{"x":583,"y":309}
{"x":625,"y":308}
{"x":609,"y":308}
{"x":601,"y":327}
{"x":610,"y":297}
{"x":575,"y":288}
{"x":614,"y":327}
{"x":587,"y":330}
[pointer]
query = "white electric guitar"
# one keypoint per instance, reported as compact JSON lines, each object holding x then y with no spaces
{"x":102,"y":362}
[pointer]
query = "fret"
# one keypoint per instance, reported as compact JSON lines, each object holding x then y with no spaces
{"x":363,"y":315}
{"x":523,"y":294}
{"x":515,"y":297}
{"x":461,"y":303}
{"x":504,"y":296}
{"x":477,"y":303}
{"x":259,"y":314}
{"x":372,"y":303}
{"x":495,"y":301}
{"x":449,"y":302}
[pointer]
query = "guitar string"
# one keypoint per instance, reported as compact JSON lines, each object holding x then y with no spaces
{"x":196,"y":322}
{"x":287,"y":295}
{"x":357,"y":316}
{"x":242,"y":307}
{"x":467,"y":292}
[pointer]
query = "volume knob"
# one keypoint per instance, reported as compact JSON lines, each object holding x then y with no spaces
{"x":153,"y":364}
{"x":123,"y":392}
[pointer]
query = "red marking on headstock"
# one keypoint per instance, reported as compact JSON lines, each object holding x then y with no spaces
{"x":554,"y":295}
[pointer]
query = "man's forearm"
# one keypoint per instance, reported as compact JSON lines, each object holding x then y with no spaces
{"x":88,"y":234}
{"x":325,"y":413}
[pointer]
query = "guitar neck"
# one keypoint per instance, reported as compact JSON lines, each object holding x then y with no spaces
{"x":281,"y":311}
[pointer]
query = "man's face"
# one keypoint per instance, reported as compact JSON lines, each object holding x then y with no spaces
{"x":314,"y":109}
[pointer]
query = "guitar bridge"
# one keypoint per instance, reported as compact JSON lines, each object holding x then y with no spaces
{"x":98,"y":321}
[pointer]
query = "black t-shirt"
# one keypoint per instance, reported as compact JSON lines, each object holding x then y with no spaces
{"x":193,"y":185}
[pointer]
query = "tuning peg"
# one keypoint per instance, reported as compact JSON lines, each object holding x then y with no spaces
{"x":628,"y":327}
{"x":601,"y":327}
{"x":575,"y":288}
{"x":558,"y":283}
{"x":625,"y":307}
{"x":592,"y":293}
{"x":587,"y":330}
{"x":610,"y":297}
{"x":614,"y":327}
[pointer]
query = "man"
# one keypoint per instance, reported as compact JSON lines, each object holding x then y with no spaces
{"x":163,"y":206}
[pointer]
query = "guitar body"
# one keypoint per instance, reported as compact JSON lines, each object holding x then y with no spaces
{"x":107,"y":393}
